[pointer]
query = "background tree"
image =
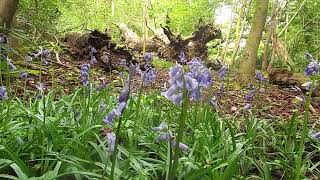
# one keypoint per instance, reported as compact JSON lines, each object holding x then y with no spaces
{"x":249,"y":58}
{"x":7,"y":11}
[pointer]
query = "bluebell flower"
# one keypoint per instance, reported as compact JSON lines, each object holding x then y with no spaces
{"x":93,"y":60}
{"x":120,"y":108}
{"x":309,"y":57}
{"x":307,"y":85}
{"x":163,"y":137}
{"x":3,"y":93}
{"x":176,"y":73}
{"x":214,"y":102}
{"x":150,"y":76}
{"x":124,"y":94}
{"x":10,"y":64}
{"x":123,"y":62}
{"x":196,"y":66}
{"x":190,"y":83}
{"x":23,"y":74}
{"x":109,"y":118}
{"x":84,"y":74}
{"x":312,"y":68}
{"x":222,"y":72}
{"x":195,"y":95}
{"x":148,"y":57}
{"x":3,"y":38}
{"x":250,"y":86}
{"x":42,"y":53}
{"x":176,"y":99}
{"x":204,"y":78}
{"x":184,"y":148}
{"x":28,"y":58}
{"x":247,"y":106}
{"x":92,"y":51}
{"x":162,"y":127}
{"x":249,"y":95}
{"x":40,"y":86}
{"x":182,"y":57}
{"x":101,"y":87}
{"x":170,"y":91}
{"x":260,"y":77}
{"x":111,"y":139}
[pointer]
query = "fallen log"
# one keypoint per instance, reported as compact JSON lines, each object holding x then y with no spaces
{"x":169,"y":45}
{"x":108,"y":54}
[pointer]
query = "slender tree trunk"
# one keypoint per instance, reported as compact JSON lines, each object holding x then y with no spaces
{"x":249,"y":58}
{"x":271,"y":31}
{"x":7,"y":11}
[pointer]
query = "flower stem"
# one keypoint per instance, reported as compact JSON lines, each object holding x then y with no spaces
{"x":181,"y":123}
{"x":114,"y":155}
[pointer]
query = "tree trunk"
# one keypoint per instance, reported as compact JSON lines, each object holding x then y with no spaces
{"x":249,"y":57}
{"x":7,"y":11}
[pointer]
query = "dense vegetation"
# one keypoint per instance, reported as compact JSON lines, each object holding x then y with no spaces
{"x":81,"y":111}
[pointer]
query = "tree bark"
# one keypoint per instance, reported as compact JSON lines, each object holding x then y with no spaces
{"x":249,"y":57}
{"x":7,"y":11}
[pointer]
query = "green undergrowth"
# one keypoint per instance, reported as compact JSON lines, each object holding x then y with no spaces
{"x":46,"y":138}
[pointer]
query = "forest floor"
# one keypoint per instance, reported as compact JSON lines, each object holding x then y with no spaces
{"x":271,"y":102}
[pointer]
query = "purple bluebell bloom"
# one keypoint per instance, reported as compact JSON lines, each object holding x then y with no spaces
{"x":93,"y":60}
{"x":120,"y":108}
{"x":222,"y":72}
{"x":176,"y":99}
{"x":3,"y":38}
{"x":247,"y":106}
{"x":101,"y":87}
{"x":42,"y":53}
{"x":190,"y":83}
{"x":250,"y":86}
{"x":84,"y":74}
{"x":204,"y":78}
{"x":92,"y":51}
{"x":150,"y":76}
{"x":170,"y":91}
{"x":184,"y":148}
{"x":111,"y":139}
{"x":214,"y":102}
{"x":3,"y":93}
{"x":249,"y":95}
{"x":182,"y":57}
{"x":312,"y":68}
{"x":196,"y":95}
{"x":260,"y":77}
{"x":124,"y":95}
{"x":162,"y":127}
{"x":109,"y":118}
{"x":176,"y":73}
{"x":163,"y":137}
{"x":196,"y":66}
{"x":148,"y":57}
{"x":23,"y":74}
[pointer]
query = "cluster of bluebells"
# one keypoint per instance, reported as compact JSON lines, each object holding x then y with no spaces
{"x":92,"y":53}
{"x":198,"y":77}
{"x":166,"y":135}
{"x":223,"y":72}
{"x":84,"y":74}
{"x":43,"y":54}
{"x":313,"y":66}
{"x":249,"y":96}
{"x":182,"y":58}
{"x":118,"y":111}
{"x":3,"y":93}
{"x":259,"y":76}
{"x":150,"y":73}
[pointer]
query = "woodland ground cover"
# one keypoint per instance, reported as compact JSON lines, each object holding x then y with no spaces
{"x":145,"y":89}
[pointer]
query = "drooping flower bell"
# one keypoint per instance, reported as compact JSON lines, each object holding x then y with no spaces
{"x":150,"y":76}
{"x":111,"y":139}
{"x":260,"y":77}
{"x":3,"y":93}
{"x":222,"y":72}
{"x":182,"y":57}
{"x":148,"y":57}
